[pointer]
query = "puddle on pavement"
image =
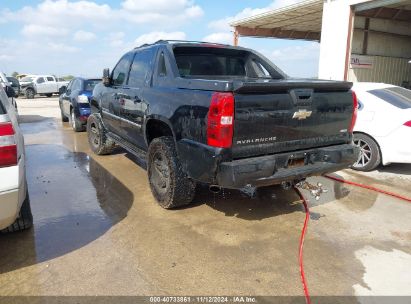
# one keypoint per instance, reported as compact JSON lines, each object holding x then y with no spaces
{"x":74,"y":201}
{"x":33,"y":124}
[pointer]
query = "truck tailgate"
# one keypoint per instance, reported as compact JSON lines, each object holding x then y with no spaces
{"x":281,"y":116}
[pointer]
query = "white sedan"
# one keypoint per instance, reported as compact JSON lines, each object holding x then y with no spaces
{"x":383,"y":128}
{"x":15,"y":211}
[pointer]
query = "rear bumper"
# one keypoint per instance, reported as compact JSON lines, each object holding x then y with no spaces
{"x":9,"y":207}
{"x":274,"y":169}
{"x":207,"y":165}
{"x":12,"y":192}
{"x":83,"y":114}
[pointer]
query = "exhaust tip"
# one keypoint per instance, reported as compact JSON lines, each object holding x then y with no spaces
{"x":215,"y":188}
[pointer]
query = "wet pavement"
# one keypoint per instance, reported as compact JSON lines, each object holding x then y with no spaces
{"x":98,"y":231}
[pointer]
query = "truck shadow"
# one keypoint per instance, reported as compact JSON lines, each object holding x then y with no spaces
{"x":268,"y":202}
{"x":74,"y":201}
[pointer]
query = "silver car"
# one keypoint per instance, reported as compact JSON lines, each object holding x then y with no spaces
{"x":15,"y":211}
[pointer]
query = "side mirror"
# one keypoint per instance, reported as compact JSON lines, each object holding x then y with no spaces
{"x":106,"y":77}
{"x":10,"y":92}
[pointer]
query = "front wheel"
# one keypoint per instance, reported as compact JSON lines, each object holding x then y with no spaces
{"x":169,"y":184}
{"x":370,"y":155}
{"x":29,"y":93}
{"x":97,"y":136}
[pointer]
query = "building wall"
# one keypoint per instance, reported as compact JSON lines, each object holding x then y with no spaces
{"x":395,"y":42}
{"x":334,"y":34}
{"x":384,"y":69}
{"x":389,"y":52}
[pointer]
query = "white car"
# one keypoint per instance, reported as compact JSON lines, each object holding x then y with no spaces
{"x":45,"y":85}
{"x":15,"y":211}
{"x":383,"y":128}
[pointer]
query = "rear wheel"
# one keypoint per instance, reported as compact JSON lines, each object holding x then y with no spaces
{"x":49,"y":95}
{"x":75,"y":122}
{"x":370,"y":155}
{"x":97,"y":136}
{"x":29,"y":93}
{"x":169,"y":184}
{"x":25,"y":219}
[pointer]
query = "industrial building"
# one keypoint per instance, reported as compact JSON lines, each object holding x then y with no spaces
{"x":361,"y":40}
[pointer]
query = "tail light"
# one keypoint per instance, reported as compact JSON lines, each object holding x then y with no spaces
{"x":354,"y":113}
{"x":8,"y":147}
{"x":408,"y":123}
{"x":220,"y":120}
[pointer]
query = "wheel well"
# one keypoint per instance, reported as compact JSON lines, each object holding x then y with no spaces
{"x":157,"y":128}
{"x":378,"y":145}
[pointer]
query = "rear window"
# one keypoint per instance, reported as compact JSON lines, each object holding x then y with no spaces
{"x":396,"y":96}
{"x":203,"y":61}
{"x":90,"y":84}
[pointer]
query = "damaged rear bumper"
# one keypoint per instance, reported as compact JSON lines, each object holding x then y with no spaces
{"x":275,"y":169}
{"x":209,"y":165}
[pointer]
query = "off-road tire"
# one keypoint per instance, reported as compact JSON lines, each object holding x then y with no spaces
{"x":24,"y":220}
{"x":374,"y":155}
{"x":29,"y":93}
{"x":97,"y":136}
{"x":177,"y":188}
{"x":64,"y":118}
{"x":75,"y":123}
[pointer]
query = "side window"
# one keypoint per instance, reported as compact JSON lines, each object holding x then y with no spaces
{"x":40,"y":80}
{"x":70,"y":85}
{"x":120,"y":72}
{"x":50,"y":79}
{"x":140,"y":68}
{"x":259,"y":69}
{"x":76,"y":85}
{"x":162,"y":69}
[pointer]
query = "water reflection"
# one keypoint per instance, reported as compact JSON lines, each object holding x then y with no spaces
{"x":74,"y":201}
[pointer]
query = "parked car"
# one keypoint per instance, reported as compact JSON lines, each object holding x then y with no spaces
{"x":74,"y":102}
{"x":220,"y":115}
{"x":15,"y":84}
{"x":383,"y":128}
{"x":15,"y":211}
{"x":44,"y":85}
{"x":5,"y":84}
{"x":3,"y":80}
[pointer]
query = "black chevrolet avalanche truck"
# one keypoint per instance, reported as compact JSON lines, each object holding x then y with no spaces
{"x":221,"y":115}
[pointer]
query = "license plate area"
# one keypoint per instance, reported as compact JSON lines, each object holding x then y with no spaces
{"x":296,"y":162}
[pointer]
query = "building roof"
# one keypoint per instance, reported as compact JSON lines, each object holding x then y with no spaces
{"x":298,"y":21}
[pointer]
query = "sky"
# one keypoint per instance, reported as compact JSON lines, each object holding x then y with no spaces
{"x":80,"y":38}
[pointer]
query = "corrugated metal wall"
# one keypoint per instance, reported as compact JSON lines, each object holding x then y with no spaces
{"x":385,"y":69}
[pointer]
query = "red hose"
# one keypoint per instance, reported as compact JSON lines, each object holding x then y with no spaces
{"x":307,"y":218}
{"x":404,"y":198}
{"x":300,"y":253}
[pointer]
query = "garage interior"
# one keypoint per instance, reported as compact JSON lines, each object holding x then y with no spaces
{"x":382,"y":39}
{"x":378,"y":45}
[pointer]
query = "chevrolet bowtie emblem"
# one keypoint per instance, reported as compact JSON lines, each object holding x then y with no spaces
{"x":302,"y":114}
